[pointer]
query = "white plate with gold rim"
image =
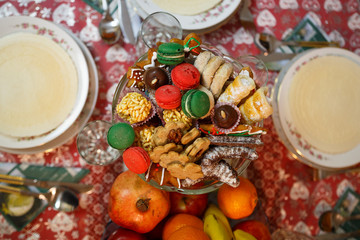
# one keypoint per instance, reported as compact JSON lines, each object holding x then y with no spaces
{"x":84,"y":115}
{"x":315,"y":100}
{"x":53,"y":49}
{"x":193,"y":23}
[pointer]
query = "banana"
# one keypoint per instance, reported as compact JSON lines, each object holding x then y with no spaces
{"x":242,"y":235}
{"x":215,"y":228}
{"x":213,"y":209}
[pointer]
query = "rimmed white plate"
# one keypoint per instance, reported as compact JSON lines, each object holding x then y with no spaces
{"x":84,"y":115}
{"x":196,"y":23}
{"x":284,"y":120}
{"x":25,"y":24}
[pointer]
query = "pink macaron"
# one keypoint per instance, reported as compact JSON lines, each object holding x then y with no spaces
{"x":136,"y":159}
{"x":185,"y":76}
{"x":168,"y":97}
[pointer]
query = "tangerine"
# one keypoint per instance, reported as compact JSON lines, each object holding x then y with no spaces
{"x":238,"y":202}
{"x":189,"y":233}
{"x":179,"y":221}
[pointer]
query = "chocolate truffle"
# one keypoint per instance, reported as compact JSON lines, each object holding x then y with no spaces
{"x":225,"y":116}
{"x":155,"y":77}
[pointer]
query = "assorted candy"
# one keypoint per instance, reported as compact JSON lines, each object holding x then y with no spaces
{"x":186,"y":116}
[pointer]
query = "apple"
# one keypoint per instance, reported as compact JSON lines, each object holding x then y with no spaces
{"x":136,"y":205}
{"x":190,"y":204}
{"x":125,"y":234}
{"x":256,"y":228}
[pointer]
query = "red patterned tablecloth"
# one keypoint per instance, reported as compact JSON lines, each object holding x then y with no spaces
{"x":285,"y":186}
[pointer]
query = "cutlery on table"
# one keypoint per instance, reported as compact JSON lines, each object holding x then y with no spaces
{"x":269,"y":43}
{"x":60,"y":198}
{"x":329,"y":221}
{"x":246,"y":18}
{"x":126,"y":21}
{"x":109,"y":28}
{"x":76,"y":187}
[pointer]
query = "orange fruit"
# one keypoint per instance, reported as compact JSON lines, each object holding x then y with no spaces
{"x":189,"y":233}
{"x":237,"y":202}
{"x":181,"y":220}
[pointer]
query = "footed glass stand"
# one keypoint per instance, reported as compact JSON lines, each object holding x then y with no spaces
{"x":260,"y":77}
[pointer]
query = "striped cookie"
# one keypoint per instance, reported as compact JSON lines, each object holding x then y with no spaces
{"x":220,"y":77}
{"x":210,"y":69}
{"x":202,"y":60}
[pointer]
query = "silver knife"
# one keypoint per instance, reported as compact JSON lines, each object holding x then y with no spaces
{"x":276,"y":61}
{"x":126,"y":21}
{"x":276,"y":56}
{"x":77,"y":187}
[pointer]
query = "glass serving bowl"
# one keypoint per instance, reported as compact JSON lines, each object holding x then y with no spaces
{"x":260,"y":73}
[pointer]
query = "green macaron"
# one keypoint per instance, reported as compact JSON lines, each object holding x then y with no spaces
{"x":195,"y":103}
{"x":121,"y":136}
{"x":170,"y":53}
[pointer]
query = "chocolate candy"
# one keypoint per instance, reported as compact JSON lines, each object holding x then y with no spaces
{"x":225,"y":116}
{"x":155,"y":77}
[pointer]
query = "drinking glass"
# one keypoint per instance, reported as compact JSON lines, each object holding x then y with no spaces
{"x":157,"y":27}
{"x":92,"y":144}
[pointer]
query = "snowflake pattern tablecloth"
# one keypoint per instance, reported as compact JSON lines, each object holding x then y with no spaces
{"x":290,"y":197}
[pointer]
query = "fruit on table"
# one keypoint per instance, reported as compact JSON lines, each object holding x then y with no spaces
{"x":125,"y":234}
{"x":190,"y":204}
{"x":256,"y":228}
{"x":189,"y":233}
{"x":216,"y":224}
{"x":238,"y":202}
{"x":136,"y":205}
{"x":181,"y":220}
{"x":241,"y":235}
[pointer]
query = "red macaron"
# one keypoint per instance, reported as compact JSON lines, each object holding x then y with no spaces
{"x":185,"y":76}
{"x":168,"y":97}
{"x":136,"y":159}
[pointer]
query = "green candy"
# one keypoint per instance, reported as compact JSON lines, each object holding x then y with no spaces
{"x":170,"y":53}
{"x":195,"y":103}
{"x":121,"y":136}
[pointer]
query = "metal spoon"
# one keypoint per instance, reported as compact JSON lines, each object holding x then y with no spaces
{"x":329,"y":221}
{"x":60,"y":198}
{"x":269,"y":43}
{"x":109,"y":28}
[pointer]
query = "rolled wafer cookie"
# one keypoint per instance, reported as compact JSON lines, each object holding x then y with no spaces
{"x":237,"y":90}
{"x":221,"y":76}
{"x":256,"y":107}
{"x":210,"y":69}
{"x":221,"y":171}
{"x":215,"y":154}
{"x":224,"y":140}
{"x":202,"y":60}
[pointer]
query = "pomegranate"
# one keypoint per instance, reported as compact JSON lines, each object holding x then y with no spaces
{"x":136,"y":205}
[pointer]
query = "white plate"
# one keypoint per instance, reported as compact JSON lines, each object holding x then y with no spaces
{"x":84,"y":115}
{"x":48,"y":29}
{"x":196,"y":23}
{"x":284,"y":121}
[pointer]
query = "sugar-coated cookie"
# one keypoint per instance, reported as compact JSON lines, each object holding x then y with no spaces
{"x":210,"y":69}
{"x":221,"y":76}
